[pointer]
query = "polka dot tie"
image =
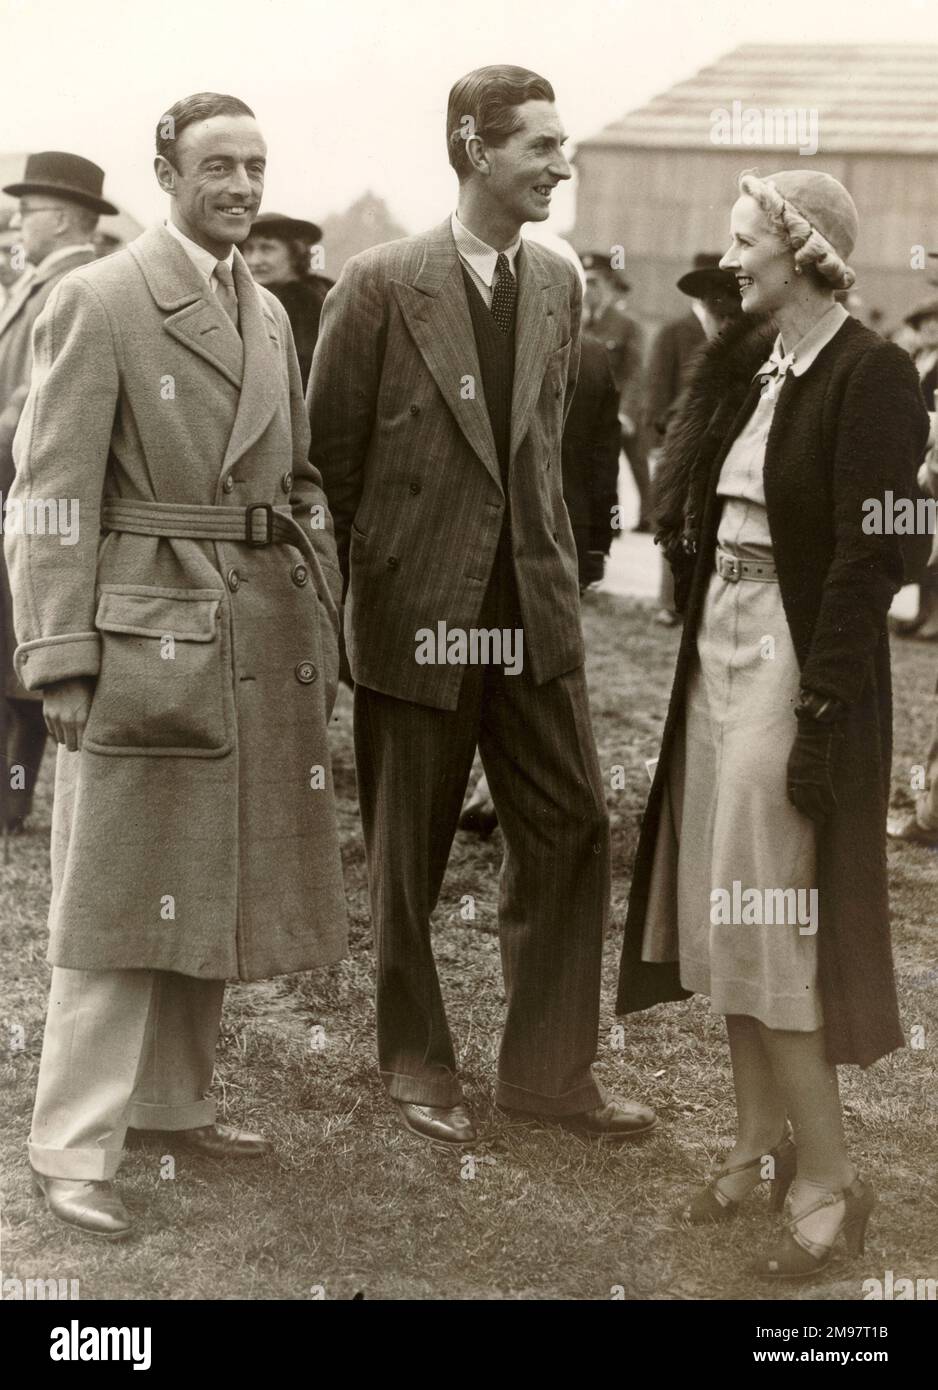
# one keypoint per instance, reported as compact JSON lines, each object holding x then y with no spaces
{"x":504,"y":293}
{"x":225,"y":292}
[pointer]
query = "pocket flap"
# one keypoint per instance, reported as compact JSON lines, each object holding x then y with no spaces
{"x":188,"y":615}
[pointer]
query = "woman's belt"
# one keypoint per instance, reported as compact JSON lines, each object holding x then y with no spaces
{"x":733,"y":568}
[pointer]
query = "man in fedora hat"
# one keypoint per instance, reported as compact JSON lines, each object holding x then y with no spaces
{"x":607,"y":319}
{"x":188,"y":664}
{"x":59,"y":205}
{"x":278,"y":256}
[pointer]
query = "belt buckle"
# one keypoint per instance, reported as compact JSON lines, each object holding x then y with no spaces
{"x":731,"y":568}
{"x":249,"y":537}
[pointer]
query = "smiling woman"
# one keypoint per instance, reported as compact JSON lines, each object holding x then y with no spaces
{"x":775,"y":771}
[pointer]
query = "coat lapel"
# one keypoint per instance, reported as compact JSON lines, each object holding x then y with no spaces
{"x":262,"y":378}
{"x":437,"y":316}
{"x":540,"y":300}
{"x":195,"y":318}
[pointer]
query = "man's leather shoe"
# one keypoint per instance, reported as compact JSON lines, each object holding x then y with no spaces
{"x":89,"y":1205}
{"x":446,"y":1124}
{"x":617,"y":1119}
{"x":614,"y":1121}
{"x":214,"y":1141}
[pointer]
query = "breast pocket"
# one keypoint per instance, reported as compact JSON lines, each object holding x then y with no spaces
{"x":164,"y":686}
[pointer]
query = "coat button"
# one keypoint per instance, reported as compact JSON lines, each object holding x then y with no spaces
{"x":415,"y":410}
{"x":393,"y":562}
{"x":306,"y":672}
{"x":228,"y":484}
{"x":286,"y":482}
{"x":234,"y":579}
{"x":415,"y":489}
{"x":299,"y":574}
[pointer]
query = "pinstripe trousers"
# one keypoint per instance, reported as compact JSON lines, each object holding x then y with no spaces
{"x":413,"y":764}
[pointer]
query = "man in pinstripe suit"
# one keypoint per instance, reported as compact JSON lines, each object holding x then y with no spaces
{"x":444,"y":370}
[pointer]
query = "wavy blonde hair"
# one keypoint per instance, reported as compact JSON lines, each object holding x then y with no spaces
{"x":809,"y":246}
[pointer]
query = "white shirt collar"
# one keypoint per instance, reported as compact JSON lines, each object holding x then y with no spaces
{"x":807,"y":348}
{"x":203,"y":260}
{"x":63,"y":253}
{"x":480,"y":257}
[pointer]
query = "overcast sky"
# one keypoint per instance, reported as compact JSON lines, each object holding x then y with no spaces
{"x":351,"y":94}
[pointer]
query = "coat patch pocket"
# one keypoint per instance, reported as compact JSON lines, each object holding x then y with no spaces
{"x":164,"y":687}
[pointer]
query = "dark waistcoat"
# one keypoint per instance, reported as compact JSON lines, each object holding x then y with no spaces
{"x":496,"y":352}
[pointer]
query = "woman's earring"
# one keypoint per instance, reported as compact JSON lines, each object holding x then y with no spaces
{"x":797,"y":269}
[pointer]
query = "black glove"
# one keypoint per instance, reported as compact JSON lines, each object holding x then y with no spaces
{"x":813,"y":758}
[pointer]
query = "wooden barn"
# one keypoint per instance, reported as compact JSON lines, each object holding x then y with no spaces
{"x":660,"y":182}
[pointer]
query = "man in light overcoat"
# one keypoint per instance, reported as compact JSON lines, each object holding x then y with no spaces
{"x":59,"y":205}
{"x":186,"y":650}
{"x":444,"y":369}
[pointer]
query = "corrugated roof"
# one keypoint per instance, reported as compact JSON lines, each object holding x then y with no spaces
{"x":876,"y":98}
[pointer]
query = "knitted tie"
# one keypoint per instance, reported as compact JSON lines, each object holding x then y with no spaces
{"x":504,"y":293}
{"x":225,"y":293}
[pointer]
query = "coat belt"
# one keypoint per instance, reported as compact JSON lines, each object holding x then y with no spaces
{"x":731,"y":567}
{"x":256,"y":525}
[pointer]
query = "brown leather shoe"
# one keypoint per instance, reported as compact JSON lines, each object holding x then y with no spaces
{"x":214,"y":1141}
{"x":614,"y":1121}
{"x":88,"y":1205}
{"x":445,"y":1124}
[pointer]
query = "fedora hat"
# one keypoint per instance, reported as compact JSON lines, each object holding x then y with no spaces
{"x":706,"y":281}
{"x":65,"y":176}
{"x":283,"y":228}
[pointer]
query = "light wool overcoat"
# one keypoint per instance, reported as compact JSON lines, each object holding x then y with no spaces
{"x":195,"y":831}
{"x":17,"y":321}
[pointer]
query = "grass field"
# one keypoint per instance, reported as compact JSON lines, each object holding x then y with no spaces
{"x":353,"y":1203}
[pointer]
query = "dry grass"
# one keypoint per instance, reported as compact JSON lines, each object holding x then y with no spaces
{"x":354,"y":1203}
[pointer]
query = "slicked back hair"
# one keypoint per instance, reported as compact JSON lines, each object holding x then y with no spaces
{"x":200,"y":107}
{"x":485,"y":102}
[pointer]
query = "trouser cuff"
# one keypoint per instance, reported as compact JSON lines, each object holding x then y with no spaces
{"x":585,"y":1097}
{"x":192,"y":1115}
{"x":432,"y":1089}
{"x":91,"y":1165}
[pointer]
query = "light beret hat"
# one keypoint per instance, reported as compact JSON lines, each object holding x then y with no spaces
{"x":816,"y":209}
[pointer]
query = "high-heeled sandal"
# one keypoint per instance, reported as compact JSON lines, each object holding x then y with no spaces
{"x":711,"y":1205}
{"x":796,"y":1257}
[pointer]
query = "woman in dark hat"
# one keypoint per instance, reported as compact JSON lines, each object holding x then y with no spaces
{"x":277,"y":253}
{"x":760,"y":877}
